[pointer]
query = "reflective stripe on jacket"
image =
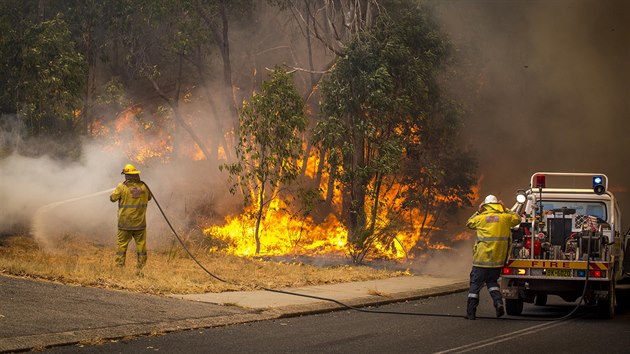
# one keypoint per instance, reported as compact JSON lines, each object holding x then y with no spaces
{"x":493,"y":226}
{"x":132,"y":198}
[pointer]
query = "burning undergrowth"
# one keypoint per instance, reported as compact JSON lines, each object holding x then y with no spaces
{"x":283,"y":234}
{"x":197,"y":195}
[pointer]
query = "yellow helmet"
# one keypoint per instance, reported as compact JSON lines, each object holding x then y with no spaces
{"x":130,"y":169}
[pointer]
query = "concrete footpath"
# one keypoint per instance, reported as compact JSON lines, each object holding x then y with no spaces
{"x":38,"y":314}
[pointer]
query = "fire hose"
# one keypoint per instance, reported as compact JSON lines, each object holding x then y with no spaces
{"x":350,"y":307}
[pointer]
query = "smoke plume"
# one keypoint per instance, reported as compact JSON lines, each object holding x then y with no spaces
{"x":546,"y":85}
{"x":54,"y":199}
{"x":30,"y":183}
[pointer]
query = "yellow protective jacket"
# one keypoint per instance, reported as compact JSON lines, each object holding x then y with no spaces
{"x":493,"y":225}
{"x":132,"y":198}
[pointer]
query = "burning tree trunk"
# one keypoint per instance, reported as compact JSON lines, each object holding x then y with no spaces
{"x":357,"y":191}
{"x":261,"y":208}
{"x":269,"y":145}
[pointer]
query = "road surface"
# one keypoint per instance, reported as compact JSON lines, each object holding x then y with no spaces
{"x":359,"y":332}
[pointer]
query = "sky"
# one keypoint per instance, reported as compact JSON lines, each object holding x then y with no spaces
{"x":547,"y":88}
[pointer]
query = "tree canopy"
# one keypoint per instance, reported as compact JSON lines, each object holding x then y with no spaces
{"x":386,"y":122}
{"x":270,"y":145}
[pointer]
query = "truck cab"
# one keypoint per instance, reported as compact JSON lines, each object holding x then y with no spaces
{"x":569,"y":243}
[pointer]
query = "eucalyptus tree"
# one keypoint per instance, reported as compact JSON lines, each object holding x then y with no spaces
{"x":216,"y":16}
{"x":269,"y":145}
{"x":40,"y":68}
{"x":331,"y":25}
{"x":92,"y":23}
{"x":14,"y":19}
{"x":157,"y":36}
{"x":334,"y":23}
{"x":173,"y":45}
{"x":438,"y":174}
{"x":49,"y":78}
{"x":383,"y":109}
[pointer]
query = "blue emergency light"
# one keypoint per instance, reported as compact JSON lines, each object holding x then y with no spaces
{"x":598,"y":186}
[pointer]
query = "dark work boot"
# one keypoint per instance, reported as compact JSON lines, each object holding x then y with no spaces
{"x":471,"y":308}
{"x":500,"y":310}
{"x":498,"y":302}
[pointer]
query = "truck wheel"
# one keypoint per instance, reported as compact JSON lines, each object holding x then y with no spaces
{"x":541,"y":300}
{"x":514,"y":307}
{"x":606,"y":307}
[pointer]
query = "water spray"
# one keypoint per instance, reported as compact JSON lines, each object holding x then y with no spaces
{"x":37,"y":224}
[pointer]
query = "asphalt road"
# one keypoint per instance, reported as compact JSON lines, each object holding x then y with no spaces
{"x":360,"y":332}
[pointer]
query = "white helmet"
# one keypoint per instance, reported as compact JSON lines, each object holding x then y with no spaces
{"x":490,"y":199}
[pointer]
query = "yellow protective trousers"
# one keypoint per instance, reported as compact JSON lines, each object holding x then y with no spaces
{"x":124,"y":237}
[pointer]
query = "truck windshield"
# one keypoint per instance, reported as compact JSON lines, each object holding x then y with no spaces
{"x":597,"y":209}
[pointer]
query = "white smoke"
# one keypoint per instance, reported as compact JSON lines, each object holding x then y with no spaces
{"x":31,"y":183}
{"x":56,"y":199}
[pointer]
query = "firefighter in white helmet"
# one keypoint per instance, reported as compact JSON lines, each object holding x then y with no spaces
{"x":493,"y":223}
{"x":133,"y":197}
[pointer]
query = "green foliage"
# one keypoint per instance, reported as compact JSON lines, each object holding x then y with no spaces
{"x":270,"y":127}
{"x":12,"y":23}
{"x":50,"y":78}
{"x":112,"y":95}
{"x":155,"y":34}
{"x":440,"y":167}
{"x":159,"y":33}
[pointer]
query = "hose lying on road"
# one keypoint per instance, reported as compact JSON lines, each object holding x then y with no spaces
{"x":350,"y":307}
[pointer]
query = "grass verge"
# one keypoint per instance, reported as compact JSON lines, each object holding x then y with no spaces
{"x":169,"y":271}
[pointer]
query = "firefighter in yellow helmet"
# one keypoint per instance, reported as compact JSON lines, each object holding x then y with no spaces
{"x":493,"y":223}
{"x":132,"y":196}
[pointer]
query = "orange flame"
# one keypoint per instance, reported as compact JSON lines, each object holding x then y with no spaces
{"x":143,"y":137}
{"x":281,"y":233}
{"x":140,"y":139}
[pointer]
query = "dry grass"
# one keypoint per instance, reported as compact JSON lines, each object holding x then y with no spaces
{"x":167,"y":272}
{"x":376,"y":292}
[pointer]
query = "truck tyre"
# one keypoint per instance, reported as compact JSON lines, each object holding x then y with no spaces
{"x":541,"y":300}
{"x":606,"y":307}
{"x":514,"y":307}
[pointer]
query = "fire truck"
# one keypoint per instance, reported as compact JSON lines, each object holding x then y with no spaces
{"x":569,"y":243}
